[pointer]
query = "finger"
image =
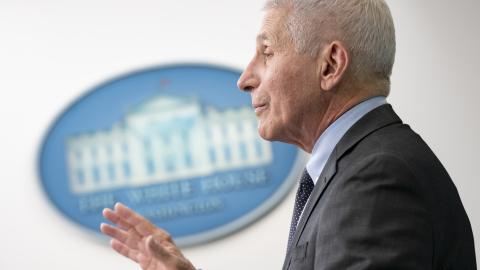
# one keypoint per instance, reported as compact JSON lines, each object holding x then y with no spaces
{"x":124,"y":250}
{"x":113,"y":232}
{"x":141,"y":224}
{"x":131,"y":239}
{"x":120,"y":222}
{"x":116,"y":219}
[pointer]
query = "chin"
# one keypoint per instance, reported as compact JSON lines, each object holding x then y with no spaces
{"x":267,"y":132}
{"x":263,"y":134}
{"x":277,"y":133}
{"x":262,"y":131}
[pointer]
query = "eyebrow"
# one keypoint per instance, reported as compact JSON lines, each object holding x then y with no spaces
{"x":262,"y":37}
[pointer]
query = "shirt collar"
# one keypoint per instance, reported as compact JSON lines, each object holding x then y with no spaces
{"x":325,"y":144}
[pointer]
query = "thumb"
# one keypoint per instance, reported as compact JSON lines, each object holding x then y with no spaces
{"x":167,"y":253}
{"x":156,"y":247}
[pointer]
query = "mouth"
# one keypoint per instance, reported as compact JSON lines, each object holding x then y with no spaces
{"x":260,"y":107}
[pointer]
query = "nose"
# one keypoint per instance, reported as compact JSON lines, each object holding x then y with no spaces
{"x":249,"y":80}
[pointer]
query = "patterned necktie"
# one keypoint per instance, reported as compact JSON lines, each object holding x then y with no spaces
{"x":303,"y":192}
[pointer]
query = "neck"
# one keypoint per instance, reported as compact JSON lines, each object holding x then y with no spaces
{"x":335,"y":107}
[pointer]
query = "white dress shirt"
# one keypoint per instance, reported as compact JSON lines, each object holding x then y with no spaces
{"x":325,"y":144}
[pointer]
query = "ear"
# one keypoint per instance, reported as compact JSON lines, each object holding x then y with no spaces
{"x":333,"y":62}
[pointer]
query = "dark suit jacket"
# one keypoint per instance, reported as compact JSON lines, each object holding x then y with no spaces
{"x":383,"y":201}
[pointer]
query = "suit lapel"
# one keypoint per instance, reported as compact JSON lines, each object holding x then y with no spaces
{"x":372,"y":121}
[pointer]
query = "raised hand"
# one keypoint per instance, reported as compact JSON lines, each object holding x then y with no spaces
{"x":136,"y":238}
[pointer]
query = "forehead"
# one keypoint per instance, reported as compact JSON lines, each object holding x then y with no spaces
{"x":273,"y":26}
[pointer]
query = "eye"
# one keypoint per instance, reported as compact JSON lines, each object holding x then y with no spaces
{"x":267,"y":53}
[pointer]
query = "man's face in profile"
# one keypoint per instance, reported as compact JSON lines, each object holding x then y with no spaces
{"x":281,"y":81}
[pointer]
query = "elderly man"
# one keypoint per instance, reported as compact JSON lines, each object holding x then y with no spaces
{"x":373,"y":195}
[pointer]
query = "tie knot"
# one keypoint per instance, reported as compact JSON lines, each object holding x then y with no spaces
{"x":306,"y":181}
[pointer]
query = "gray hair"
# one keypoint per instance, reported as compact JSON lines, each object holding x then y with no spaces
{"x":365,"y":26}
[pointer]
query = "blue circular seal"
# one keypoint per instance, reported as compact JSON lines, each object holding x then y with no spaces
{"x":177,"y":143}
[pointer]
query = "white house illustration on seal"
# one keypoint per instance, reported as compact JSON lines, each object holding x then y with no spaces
{"x":164,"y":139}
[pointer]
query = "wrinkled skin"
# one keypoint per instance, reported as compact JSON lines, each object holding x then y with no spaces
{"x":139,"y":240}
{"x":294,"y":99}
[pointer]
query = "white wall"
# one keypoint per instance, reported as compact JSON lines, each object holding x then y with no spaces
{"x":52,"y":51}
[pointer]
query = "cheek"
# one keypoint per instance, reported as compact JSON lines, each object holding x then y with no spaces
{"x":287,"y":95}
{"x":286,"y":85}
{"x":281,"y":84}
